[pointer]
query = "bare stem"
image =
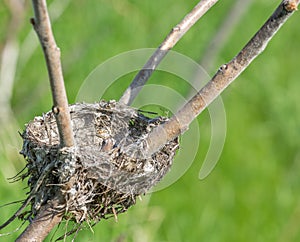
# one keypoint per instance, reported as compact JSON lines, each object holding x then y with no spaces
{"x":173,"y":37}
{"x":42,"y":26}
{"x":226,"y":74}
{"x":48,"y":216}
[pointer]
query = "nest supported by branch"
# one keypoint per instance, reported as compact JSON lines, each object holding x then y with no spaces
{"x":106,"y":170}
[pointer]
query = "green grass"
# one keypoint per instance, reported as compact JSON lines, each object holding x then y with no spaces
{"x":252,"y":194}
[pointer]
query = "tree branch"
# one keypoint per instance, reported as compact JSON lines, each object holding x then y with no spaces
{"x":173,"y":37}
{"x":49,"y":215}
{"x":43,"y":223}
{"x":42,"y":26}
{"x":226,"y":74}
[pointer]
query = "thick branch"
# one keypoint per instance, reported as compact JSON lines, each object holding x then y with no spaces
{"x":226,"y":74}
{"x":42,"y":26}
{"x":42,"y":224}
{"x":174,"y":36}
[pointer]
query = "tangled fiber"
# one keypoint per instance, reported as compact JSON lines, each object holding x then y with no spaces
{"x":104,"y":172}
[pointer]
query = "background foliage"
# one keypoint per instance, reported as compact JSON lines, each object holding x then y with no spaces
{"x":253,"y":193}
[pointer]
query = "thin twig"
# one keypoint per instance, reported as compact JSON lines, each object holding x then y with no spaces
{"x":174,"y":36}
{"x":42,"y":26}
{"x":56,"y":8}
{"x":226,"y":74}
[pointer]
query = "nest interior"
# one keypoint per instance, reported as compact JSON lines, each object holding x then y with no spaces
{"x":105,"y":171}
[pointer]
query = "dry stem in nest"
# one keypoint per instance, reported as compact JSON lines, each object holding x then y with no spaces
{"x":106,"y":170}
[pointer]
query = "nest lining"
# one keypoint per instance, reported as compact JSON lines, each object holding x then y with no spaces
{"x":104,"y":172}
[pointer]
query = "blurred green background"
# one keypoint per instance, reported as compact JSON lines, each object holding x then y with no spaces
{"x":252,"y":194}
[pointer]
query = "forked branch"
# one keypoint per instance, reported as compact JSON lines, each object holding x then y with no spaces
{"x":226,"y":74}
{"x":49,"y":215}
{"x":42,"y":26}
{"x":170,"y":41}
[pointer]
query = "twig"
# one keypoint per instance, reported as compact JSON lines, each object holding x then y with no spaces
{"x":42,"y":26}
{"x":173,"y":37}
{"x":56,"y":9}
{"x":226,"y":74}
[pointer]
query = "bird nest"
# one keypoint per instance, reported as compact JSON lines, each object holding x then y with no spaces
{"x":104,"y":172}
